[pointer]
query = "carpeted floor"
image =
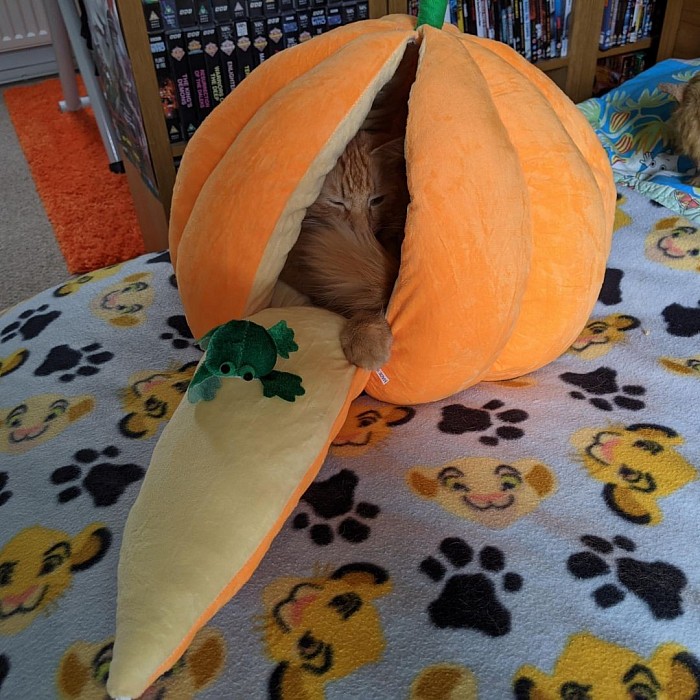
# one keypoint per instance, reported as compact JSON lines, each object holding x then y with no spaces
{"x":89,"y":207}
{"x":29,"y":256}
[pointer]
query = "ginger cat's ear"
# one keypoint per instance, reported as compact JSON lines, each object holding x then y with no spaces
{"x":675,"y":90}
{"x":391,"y":151}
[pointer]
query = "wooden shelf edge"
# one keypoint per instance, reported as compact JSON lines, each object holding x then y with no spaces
{"x":552,"y":64}
{"x":640,"y":45}
{"x":177,"y":149}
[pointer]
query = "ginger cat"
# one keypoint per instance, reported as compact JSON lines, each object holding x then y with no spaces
{"x":685,"y":121}
{"x":346,"y":258}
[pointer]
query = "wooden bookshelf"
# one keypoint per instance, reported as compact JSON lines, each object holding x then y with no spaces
{"x":177,"y":149}
{"x":677,"y":35}
{"x":641,"y":45}
{"x":552,"y":64}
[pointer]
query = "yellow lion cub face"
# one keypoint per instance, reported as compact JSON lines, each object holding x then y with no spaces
{"x":638,"y":465}
{"x":151,"y":399}
{"x":674,"y":242}
{"x":686,"y":366}
{"x":124,"y":304}
{"x":366,"y":426}
{"x":444,"y":681}
{"x":323,"y":628}
{"x":83,"y":670}
{"x":76,"y":283}
{"x":592,"y":668}
{"x":13,"y":361}
{"x":39,"y":419}
{"x":600,"y":335}
{"x":37,"y":567}
{"x":483,"y":489}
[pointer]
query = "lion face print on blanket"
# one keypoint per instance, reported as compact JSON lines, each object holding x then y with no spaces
{"x":37,"y":567}
{"x":485,"y":489}
{"x":84,"y":667}
{"x":600,"y":335}
{"x":674,"y":242}
{"x":638,"y":464}
{"x":323,"y":628}
{"x":151,"y":399}
{"x":591,"y":668}
{"x":38,"y":419}
{"x":76,"y":283}
{"x":366,"y":426}
{"x":124,"y":303}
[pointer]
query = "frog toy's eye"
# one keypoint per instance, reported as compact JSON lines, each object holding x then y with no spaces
{"x":225,"y":368}
{"x":247,"y":373}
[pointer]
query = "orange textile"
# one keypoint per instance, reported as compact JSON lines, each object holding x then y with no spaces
{"x":89,"y":207}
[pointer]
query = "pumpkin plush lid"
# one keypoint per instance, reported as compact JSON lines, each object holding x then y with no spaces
{"x":259,"y":161}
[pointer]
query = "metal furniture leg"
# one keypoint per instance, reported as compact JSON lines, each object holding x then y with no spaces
{"x":70,"y":22}
{"x":72,"y":101}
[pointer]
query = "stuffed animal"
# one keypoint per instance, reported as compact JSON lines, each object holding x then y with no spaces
{"x":246,"y":350}
{"x":506,"y":240}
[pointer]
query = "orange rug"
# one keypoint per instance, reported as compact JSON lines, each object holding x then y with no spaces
{"x":89,"y":207}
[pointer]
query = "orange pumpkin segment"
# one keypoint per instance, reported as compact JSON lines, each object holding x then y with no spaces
{"x":287,"y":154}
{"x":465,"y":258}
{"x":560,"y":290}
{"x":224,"y":124}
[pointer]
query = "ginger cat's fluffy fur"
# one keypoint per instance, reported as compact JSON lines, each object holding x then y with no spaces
{"x":346,"y":258}
{"x":685,"y":120}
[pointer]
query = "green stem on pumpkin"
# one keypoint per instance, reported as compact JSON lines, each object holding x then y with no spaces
{"x":432,"y":12}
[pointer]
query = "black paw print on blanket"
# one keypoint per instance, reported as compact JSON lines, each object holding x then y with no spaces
{"x":332,"y":499}
{"x":470,"y":600}
{"x":4,"y":668}
{"x":5,"y":494}
{"x":106,"y":482}
{"x":657,"y":583}
{"x":458,"y":419}
{"x":86,"y":361}
{"x":181,"y":336}
{"x":682,"y":321}
{"x":610,"y":292}
{"x":602,"y":382}
{"x":30,"y":324}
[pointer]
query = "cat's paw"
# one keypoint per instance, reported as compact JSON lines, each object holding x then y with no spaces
{"x":366,"y":340}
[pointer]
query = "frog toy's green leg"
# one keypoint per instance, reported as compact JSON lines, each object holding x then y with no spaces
{"x":204,"y":341}
{"x":283,"y":384}
{"x":283,"y":337}
{"x":203,"y":386}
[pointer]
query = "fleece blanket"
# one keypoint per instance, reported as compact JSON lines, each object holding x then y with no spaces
{"x":532,"y":538}
{"x":631,"y":122}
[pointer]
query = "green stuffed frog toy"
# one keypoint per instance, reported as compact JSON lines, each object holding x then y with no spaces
{"x":248,"y":351}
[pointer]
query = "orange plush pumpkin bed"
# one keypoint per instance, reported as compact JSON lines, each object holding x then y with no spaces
{"x":508,"y":231}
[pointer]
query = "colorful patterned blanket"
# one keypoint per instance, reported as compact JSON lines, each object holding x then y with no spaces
{"x":538,"y":538}
{"x":632,"y":124}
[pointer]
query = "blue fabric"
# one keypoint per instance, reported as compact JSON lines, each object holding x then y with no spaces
{"x":631,"y":122}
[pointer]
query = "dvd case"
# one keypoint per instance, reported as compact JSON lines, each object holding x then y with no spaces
{"x":198,"y":72}
{"x":275,"y":36}
{"x":245,"y":61}
{"x":166,"y":87}
{"x":175,"y":43}
{"x":227,"y":50}
{"x":212,"y":62}
{"x":153,"y":15}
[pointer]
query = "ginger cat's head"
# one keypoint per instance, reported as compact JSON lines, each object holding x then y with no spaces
{"x":346,"y":258}
{"x":366,"y":190}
